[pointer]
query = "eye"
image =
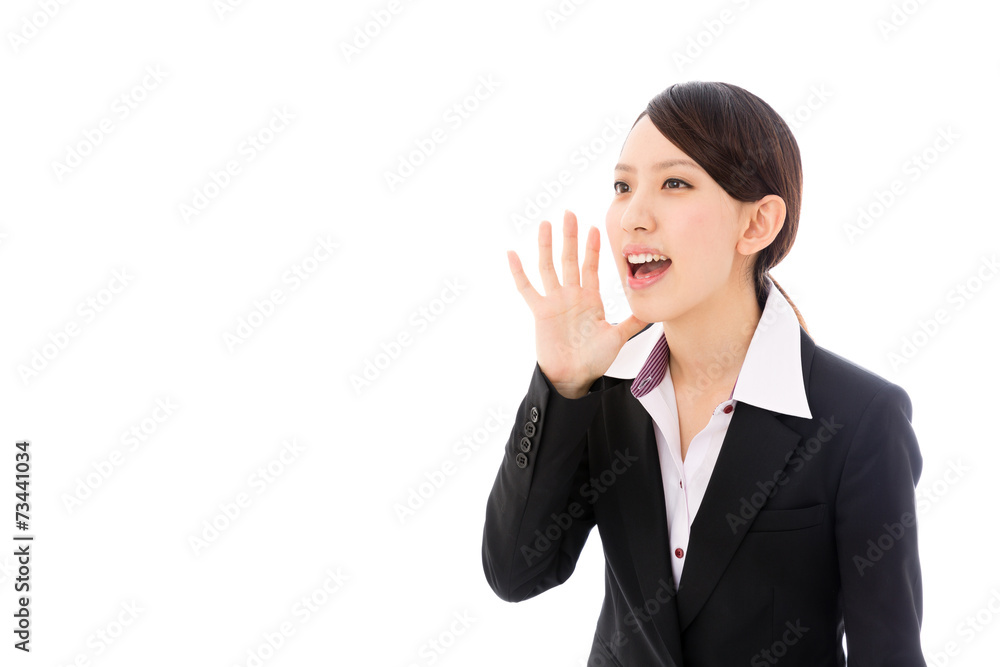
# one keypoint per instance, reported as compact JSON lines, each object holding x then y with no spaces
{"x":675,"y":180}
{"x":617,"y":183}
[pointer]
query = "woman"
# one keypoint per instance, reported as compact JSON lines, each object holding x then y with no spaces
{"x":754,"y":492}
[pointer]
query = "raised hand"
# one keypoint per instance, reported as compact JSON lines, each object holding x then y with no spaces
{"x":574,"y":344}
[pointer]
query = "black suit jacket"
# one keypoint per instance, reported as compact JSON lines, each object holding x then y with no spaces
{"x":807,"y":527}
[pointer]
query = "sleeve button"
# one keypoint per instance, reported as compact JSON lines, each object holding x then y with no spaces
{"x":525,"y":445}
{"x":522,"y":460}
{"x":529,"y":429}
{"x":534,"y":414}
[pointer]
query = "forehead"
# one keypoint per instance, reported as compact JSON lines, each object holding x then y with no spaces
{"x":646,"y":149}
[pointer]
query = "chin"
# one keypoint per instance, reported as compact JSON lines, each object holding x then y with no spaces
{"x":647,"y":311}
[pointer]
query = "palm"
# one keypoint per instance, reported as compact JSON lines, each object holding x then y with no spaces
{"x":574,"y":344}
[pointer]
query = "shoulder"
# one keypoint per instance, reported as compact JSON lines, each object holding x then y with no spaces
{"x":836,"y":383}
{"x":873,"y":415}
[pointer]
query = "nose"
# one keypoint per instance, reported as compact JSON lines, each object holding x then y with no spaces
{"x":638,"y":215}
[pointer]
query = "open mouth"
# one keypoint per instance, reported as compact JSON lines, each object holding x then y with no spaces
{"x":643,"y":265}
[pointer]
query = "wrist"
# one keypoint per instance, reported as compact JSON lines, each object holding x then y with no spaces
{"x":573,"y":390}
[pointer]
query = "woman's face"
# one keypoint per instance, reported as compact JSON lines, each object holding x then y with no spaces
{"x":665,"y":204}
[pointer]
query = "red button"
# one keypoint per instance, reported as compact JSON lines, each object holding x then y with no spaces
{"x":679,"y":552}
{"x":727,"y":409}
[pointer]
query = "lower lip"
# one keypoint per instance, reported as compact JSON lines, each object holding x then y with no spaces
{"x":647,"y":280}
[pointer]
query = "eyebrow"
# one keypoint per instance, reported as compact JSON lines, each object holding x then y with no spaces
{"x":659,"y":165}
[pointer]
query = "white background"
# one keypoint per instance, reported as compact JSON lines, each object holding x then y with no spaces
{"x":862,"y":101}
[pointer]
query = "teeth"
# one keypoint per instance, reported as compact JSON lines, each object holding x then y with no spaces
{"x":647,"y":257}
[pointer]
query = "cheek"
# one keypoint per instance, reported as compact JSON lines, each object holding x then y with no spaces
{"x":613,"y":230}
{"x":612,"y":221}
{"x":612,"y":255}
{"x":703,"y":236}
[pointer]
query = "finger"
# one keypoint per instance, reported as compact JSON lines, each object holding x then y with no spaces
{"x":549,"y":278}
{"x":530,"y":295}
{"x":590,"y":257}
{"x":570,"y":263}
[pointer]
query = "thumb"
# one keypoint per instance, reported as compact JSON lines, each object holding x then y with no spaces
{"x":630,"y":327}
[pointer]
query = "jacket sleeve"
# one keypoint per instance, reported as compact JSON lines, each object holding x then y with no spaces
{"x":536,"y":519}
{"x":876,"y":532}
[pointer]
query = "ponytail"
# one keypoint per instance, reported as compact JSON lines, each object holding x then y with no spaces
{"x":802,"y":322}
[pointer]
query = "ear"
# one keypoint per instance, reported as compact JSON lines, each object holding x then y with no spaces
{"x":762,"y":220}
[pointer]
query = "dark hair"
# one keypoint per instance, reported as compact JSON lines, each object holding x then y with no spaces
{"x":745,"y":146}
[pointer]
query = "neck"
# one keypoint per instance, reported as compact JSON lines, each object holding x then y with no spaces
{"x":709,"y":343}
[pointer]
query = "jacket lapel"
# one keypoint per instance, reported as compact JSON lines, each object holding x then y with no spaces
{"x":753,"y":451}
{"x":755,"y":448}
{"x":644,"y":515}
